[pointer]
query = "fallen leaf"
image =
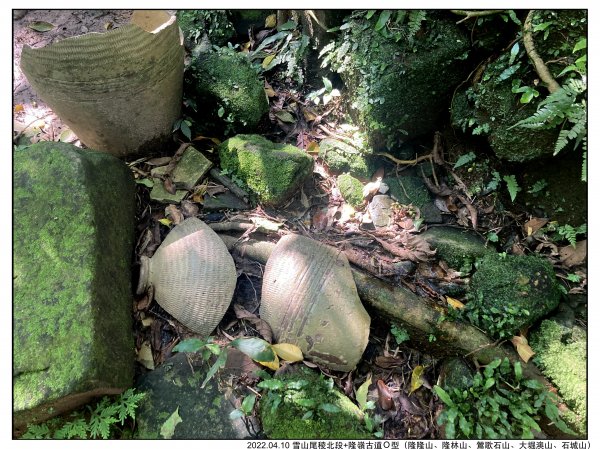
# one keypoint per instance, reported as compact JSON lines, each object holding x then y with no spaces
{"x":167,"y":430}
{"x":386,"y":400}
{"x":388,"y":362}
{"x":165,"y":221}
{"x":570,"y":256}
{"x":274,"y":365}
{"x":143,"y":303}
{"x":313,"y":148}
{"x":19,"y":108}
{"x":534,"y":225}
{"x":271,"y":21}
{"x":147,"y":321}
{"x":169,"y":186}
{"x":267,"y":61}
{"x":212,"y":139}
{"x":371,"y":188}
{"x":309,"y":115}
{"x":455,"y":303}
{"x":522,"y":346}
{"x":288,"y":351}
{"x":172,"y":211}
{"x":145,"y":355}
{"x":239,"y":364}
{"x":145,"y":182}
{"x":42,"y":27}
{"x":319,"y":219}
{"x":285,"y":116}
{"x":67,"y":136}
{"x":108,"y":26}
{"x":304,"y":199}
{"x":416,"y":379}
{"x":261,"y":326}
{"x":189,"y":209}
{"x":257,"y":349}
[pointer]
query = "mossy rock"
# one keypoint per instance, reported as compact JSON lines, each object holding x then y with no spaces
{"x":398,"y":90}
{"x":227,"y":91}
{"x":351,"y":189}
{"x":412,"y":190}
{"x":333,"y":416}
{"x":74,"y":213}
{"x":525,"y":284}
{"x":561,"y":353}
{"x":456,"y":373}
{"x":175,"y":386}
{"x":214,"y":23}
{"x":342,"y":157}
{"x":491,"y":108}
{"x":273,"y":171}
{"x":459,"y":247}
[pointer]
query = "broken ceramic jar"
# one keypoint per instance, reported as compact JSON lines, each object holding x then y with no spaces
{"x":193,"y":276}
{"x":309,"y":299}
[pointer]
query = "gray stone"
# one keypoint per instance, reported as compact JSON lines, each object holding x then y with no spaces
{"x":459,"y":247}
{"x":223,"y":201}
{"x":381,"y":211}
{"x":189,"y":170}
{"x":455,"y":373}
{"x":174,"y":386}
{"x":74,"y":214}
{"x":412,"y":190}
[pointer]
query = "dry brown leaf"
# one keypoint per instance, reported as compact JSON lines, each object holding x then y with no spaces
{"x":386,"y":399}
{"x":189,"y":209}
{"x":319,"y":219}
{"x":172,"y":211}
{"x":169,"y":186}
{"x":522,"y":346}
{"x":145,"y":355}
{"x":313,"y":148}
{"x":261,"y":325}
{"x":309,"y":114}
{"x":534,"y":225}
{"x":571,"y":257}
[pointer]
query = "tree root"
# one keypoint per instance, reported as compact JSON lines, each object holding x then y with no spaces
{"x":470,"y":14}
{"x":540,"y":67}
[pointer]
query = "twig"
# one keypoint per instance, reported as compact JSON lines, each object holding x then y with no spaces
{"x":237,"y":191}
{"x":337,"y":136}
{"x":470,"y":14}
{"x":540,"y":67}
{"x":405,"y":161}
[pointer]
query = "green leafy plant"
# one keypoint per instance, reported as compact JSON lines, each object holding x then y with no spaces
{"x":400,"y":334}
{"x":245,"y":408}
{"x":570,"y":233}
{"x":497,"y":321}
{"x":327,"y":91}
{"x":512,"y":186}
{"x":538,"y":186}
{"x":465,"y":159}
{"x":101,"y":421}
{"x":372,"y":422}
{"x":501,"y":404}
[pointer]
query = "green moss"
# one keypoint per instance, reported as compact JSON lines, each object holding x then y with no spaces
{"x":411,"y":190}
{"x":379,"y":72}
{"x":226,"y":90}
{"x":284,"y":421}
{"x":73,"y":236}
{"x":351,"y":189}
{"x":273,"y":171}
{"x":460,"y":248}
{"x":512,"y":292}
{"x":562,"y":356}
{"x":341,"y":157}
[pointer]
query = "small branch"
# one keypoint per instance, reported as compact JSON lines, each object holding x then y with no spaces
{"x":540,"y":67}
{"x":240,"y":193}
{"x":470,"y":14}
{"x":397,"y":161}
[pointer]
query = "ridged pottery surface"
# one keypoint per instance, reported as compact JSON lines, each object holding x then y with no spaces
{"x":119,"y":91}
{"x":193,"y":275}
{"x":309,"y":299}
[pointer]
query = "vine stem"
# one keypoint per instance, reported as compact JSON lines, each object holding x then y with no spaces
{"x":540,"y":67}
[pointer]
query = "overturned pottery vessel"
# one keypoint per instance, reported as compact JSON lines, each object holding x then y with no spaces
{"x":309,"y":299}
{"x":193,"y":276}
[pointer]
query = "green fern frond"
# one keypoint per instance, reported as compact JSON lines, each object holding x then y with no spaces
{"x":584,"y":165}
{"x":415,"y":17}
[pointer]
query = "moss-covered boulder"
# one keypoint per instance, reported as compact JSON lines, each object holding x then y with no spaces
{"x":351,"y":189}
{"x":176,"y":386}
{"x":511,"y":292}
{"x":273,"y":171}
{"x":400,"y":77}
{"x":227,"y":93}
{"x":455,"y":373}
{"x":459,"y":247}
{"x":196,"y":23}
{"x":74,"y":214}
{"x":305,"y":405}
{"x":561,"y":353}
{"x":342,"y":157}
{"x":507,"y":90}
{"x":412,"y":190}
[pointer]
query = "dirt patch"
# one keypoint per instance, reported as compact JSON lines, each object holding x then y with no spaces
{"x":33,"y":120}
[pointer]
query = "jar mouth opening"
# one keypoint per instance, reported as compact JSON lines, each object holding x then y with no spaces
{"x":144,"y":273}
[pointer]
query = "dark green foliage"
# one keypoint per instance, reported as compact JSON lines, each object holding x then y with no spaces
{"x":96,"y":422}
{"x":511,"y":292}
{"x":500,"y":404}
{"x":195,"y":23}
